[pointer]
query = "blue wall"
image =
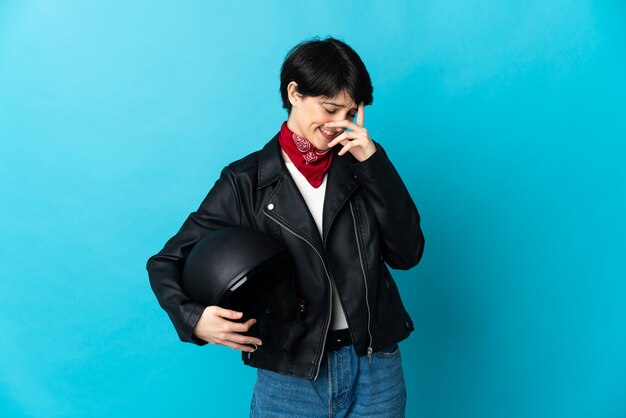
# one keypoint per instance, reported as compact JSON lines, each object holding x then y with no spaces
{"x":506,"y":120}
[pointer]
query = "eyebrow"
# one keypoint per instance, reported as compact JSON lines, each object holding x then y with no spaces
{"x":339,"y":105}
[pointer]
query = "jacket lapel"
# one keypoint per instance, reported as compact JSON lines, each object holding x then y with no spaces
{"x":341,"y":184}
{"x":286,"y":204}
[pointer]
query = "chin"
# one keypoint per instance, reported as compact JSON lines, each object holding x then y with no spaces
{"x":314,"y":138}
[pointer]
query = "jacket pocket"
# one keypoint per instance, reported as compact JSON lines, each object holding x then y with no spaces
{"x":388,"y":306}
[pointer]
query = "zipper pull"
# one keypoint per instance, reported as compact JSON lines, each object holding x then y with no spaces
{"x":369,"y":354}
{"x":301,"y":309}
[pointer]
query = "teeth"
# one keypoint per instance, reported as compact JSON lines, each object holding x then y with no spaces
{"x":327,"y":132}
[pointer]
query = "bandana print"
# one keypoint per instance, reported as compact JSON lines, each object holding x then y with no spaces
{"x":312,"y":162}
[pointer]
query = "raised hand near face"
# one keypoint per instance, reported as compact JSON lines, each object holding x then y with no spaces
{"x":357,"y":141}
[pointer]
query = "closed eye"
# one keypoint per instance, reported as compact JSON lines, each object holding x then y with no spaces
{"x":332,"y":112}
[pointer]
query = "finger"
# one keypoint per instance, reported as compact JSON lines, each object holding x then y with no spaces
{"x":360,"y":116}
{"x":242,"y":339}
{"x":227,"y":313}
{"x":239,"y":347}
{"x":239,"y":327}
{"x":348,"y":147}
{"x":235,"y":340}
{"x":343,"y":137}
{"x":343,"y":123}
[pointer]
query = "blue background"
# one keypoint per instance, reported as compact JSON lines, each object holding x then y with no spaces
{"x":505,"y":119}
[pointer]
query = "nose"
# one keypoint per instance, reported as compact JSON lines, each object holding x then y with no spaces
{"x":337,"y":117}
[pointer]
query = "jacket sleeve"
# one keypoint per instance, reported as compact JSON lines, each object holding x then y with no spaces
{"x":220,"y":208}
{"x":402,"y":240}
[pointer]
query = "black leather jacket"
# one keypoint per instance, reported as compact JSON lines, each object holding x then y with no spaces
{"x":369,"y":219}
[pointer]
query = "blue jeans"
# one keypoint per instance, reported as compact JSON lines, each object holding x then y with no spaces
{"x":347,"y":386}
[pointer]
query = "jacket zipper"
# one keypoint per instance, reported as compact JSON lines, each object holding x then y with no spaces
{"x":358,"y":246}
{"x":319,"y":360}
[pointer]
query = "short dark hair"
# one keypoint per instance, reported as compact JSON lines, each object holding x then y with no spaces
{"x":325,"y":68}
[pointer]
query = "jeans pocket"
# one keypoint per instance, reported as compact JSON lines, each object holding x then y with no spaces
{"x":388,"y":352}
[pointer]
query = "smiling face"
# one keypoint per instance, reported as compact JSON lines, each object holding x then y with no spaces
{"x":309,"y":113}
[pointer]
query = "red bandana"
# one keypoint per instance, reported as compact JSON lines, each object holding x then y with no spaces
{"x":313,"y":163}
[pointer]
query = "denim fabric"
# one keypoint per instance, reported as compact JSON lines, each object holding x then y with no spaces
{"x":347,"y":386}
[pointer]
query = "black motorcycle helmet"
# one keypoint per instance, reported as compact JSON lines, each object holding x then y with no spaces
{"x":246,"y":270}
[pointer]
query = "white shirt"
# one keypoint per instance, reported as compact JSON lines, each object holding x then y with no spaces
{"x":314,"y":199}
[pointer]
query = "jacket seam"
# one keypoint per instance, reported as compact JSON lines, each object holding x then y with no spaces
{"x":360,"y":237}
{"x":237,"y":197}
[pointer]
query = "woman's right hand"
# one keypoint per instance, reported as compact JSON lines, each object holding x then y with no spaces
{"x":217,"y":326}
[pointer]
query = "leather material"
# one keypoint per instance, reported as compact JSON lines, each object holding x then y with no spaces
{"x":369,"y":222}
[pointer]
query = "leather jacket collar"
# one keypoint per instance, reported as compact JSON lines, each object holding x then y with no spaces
{"x":287,"y":203}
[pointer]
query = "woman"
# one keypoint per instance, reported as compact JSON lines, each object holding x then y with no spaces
{"x":324,"y":188}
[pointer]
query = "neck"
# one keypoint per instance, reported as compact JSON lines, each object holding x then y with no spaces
{"x":293,"y":127}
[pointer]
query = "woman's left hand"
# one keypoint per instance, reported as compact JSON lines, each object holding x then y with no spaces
{"x":358,"y":141}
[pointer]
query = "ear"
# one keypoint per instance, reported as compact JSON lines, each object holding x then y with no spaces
{"x":292,"y":92}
